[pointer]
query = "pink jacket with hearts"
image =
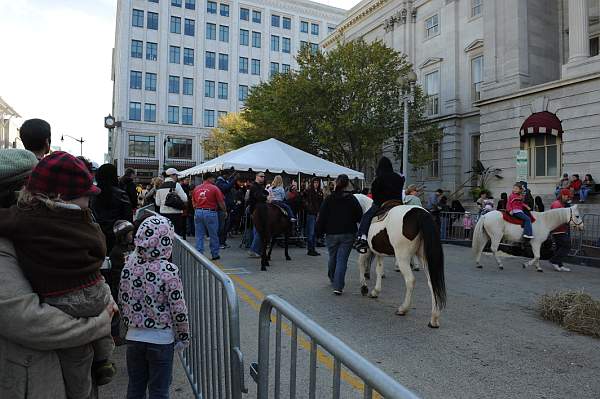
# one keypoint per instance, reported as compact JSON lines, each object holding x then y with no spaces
{"x":150,"y":291}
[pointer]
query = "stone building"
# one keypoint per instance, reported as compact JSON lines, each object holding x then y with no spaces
{"x":8,"y":131}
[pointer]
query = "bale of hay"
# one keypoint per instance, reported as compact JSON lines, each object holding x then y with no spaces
{"x":576,"y":311}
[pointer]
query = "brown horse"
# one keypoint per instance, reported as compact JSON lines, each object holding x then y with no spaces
{"x":270,"y":222}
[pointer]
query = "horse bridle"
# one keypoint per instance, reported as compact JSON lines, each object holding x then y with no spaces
{"x":571,"y":220}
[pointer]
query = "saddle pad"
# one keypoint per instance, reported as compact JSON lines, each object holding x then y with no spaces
{"x":511,"y":219}
{"x":385,"y":208}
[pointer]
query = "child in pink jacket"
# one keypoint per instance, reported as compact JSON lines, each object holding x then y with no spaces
{"x":516,"y":207}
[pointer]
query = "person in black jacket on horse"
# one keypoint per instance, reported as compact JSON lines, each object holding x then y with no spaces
{"x":388,"y":185}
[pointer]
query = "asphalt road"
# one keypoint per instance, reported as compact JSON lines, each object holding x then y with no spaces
{"x":491,"y":344}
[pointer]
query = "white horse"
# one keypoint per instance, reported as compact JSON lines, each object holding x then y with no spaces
{"x":493,"y":226}
{"x":405,"y":232}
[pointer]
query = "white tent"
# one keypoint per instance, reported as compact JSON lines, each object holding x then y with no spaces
{"x":274,"y":156}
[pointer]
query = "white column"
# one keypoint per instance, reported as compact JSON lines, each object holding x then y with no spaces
{"x":579,"y":39}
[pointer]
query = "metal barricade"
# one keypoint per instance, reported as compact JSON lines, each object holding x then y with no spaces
{"x":586,"y":243}
{"x":213,"y":361}
{"x":456,"y":226}
{"x":373,"y":378}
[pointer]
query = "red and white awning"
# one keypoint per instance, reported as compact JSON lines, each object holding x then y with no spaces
{"x":541,"y":123}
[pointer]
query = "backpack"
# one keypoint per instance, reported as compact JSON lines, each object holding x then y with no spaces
{"x":173,"y":200}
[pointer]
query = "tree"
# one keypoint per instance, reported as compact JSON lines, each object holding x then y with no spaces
{"x":342,"y":105}
{"x":231,"y":132}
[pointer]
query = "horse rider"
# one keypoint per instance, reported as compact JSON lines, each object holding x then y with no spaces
{"x":388,"y":185}
{"x":258,"y":194}
{"x":516,"y":206}
{"x":560,"y":235}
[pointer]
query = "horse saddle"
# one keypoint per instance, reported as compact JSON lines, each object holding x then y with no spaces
{"x":281,"y":209}
{"x":511,"y":219}
{"x":385,"y":208}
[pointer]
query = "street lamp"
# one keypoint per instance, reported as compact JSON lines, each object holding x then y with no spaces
{"x":407,"y":96}
{"x":80,"y":141}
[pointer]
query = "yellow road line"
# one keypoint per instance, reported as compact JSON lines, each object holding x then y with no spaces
{"x":323,"y":357}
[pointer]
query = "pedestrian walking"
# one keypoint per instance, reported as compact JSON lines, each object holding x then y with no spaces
{"x":36,"y":136}
{"x":171,"y":200}
{"x":226,"y":187}
{"x":208,"y":200}
{"x":32,"y":331}
{"x":257,"y":194}
{"x":433,"y":199}
{"x":61,"y":250}
{"x":338,"y":216}
{"x":153,"y":309}
{"x":185,"y":216}
{"x":126,"y":184}
{"x":561,"y":235}
{"x":313,"y":198}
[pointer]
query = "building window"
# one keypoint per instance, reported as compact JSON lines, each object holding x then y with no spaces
{"x":190,"y":27}
{"x":174,"y":84}
{"x":433,"y":169}
{"x":152,"y":22}
{"x":209,"y":118}
{"x":432,"y":26}
{"x":303,"y":44}
{"x":476,"y":77}
{"x":187,"y":117}
{"x":275,"y":20}
{"x":286,"y":44}
{"x":136,"y":48}
{"x":150,"y":82}
{"x":330,"y":29}
{"x":476,"y":7}
{"x":175,"y":25}
{"x":135,"y":80}
{"x":314,"y":48}
{"x":314,"y":29}
{"x":209,"y":89}
{"x":244,"y":14}
{"x":223,"y":91}
{"x":211,"y":31}
{"x":223,"y":62}
{"x":211,"y":58}
{"x":151,"y":51}
{"x":179,"y":148}
{"x":188,"y":86}
{"x":274,"y":68}
{"x":153,"y":1}
{"x":211,"y":7}
{"x":256,"y":39}
{"x":544,"y":155}
{"x":256,"y":16}
{"x":594,"y":46}
{"x":243,"y":65}
{"x":224,"y":33}
{"x":142,"y":146}
{"x":190,"y":4}
{"x":255,"y":67}
{"x":303,"y":27}
{"x":174,"y":54}
{"x":274,"y":43}
{"x":149,"y":112}
{"x":243,"y":93}
{"x":285,"y":68}
{"x":220,"y":116}
{"x":287,"y":23}
{"x":173,"y":114}
{"x":137,"y":18}
{"x":176,"y":3}
{"x":244,"y":37}
{"x":188,"y":56}
{"x":135,"y":111}
{"x":224,"y":10}
{"x":432,"y":90}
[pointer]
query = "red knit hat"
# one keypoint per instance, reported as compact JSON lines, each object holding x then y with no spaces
{"x":63,"y":174}
{"x":566,"y":191}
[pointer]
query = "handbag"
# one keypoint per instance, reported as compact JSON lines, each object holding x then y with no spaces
{"x":173,"y":200}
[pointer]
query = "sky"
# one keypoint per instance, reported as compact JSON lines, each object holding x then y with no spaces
{"x":55,"y":65}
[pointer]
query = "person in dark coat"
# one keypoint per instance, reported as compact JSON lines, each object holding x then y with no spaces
{"x":257,"y":195}
{"x":388,"y":185}
{"x":126,"y":184}
{"x":313,"y":198}
{"x":111,"y":204}
{"x":226,"y":187}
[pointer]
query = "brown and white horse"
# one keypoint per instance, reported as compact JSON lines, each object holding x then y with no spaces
{"x":405,"y":232}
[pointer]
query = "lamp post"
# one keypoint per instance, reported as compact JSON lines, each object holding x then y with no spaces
{"x":80,"y":141}
{"x":167,"y":140}
{"x":407,"y":97}
{"x":110,"y":123}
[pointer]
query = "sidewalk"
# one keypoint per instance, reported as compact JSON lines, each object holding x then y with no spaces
{"x":180,"y":388}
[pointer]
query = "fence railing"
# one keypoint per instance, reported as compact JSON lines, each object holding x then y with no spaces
{"x":374,"y":380}
{"x":456,"y":226}
{"x":586,"y":243}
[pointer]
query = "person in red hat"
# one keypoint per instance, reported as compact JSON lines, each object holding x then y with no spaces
{"x":560,"y":235}
{"x":61,"y":249}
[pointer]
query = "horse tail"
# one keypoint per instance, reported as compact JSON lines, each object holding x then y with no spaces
{"x":434,"y":255}
{"x":480,"y":237}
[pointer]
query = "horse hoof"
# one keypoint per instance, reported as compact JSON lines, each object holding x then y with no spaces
{"x":432,"y":326}
{"x":399,"y":313}
{"x":524,"y":265}
{"x":364,"y":290}
{"x":398,"y":270}
{"x":416,"y":269}
{"x":383,"y":276}
{"x":263,"y":269}
{"x":479,"y":267}
{"x":373,"y":296}
{"x":288,"y":258}
{"x":540,"y":270}
{"x":501,"y":267}
{"x":368,"y":276}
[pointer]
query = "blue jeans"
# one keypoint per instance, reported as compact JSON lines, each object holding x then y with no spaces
{"x":365,"y":222}
{"x":256,"y":243}
{"x":339,"y":247}
{"x":310,"y":231}
{"x":583,"y":193}
{"x":207,"y":221}
{"x":527,"y":229}
{"x":285,"y":206}
{"x":150,"y":366}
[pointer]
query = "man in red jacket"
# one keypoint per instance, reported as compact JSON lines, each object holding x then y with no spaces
{"x":560,"y":235}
